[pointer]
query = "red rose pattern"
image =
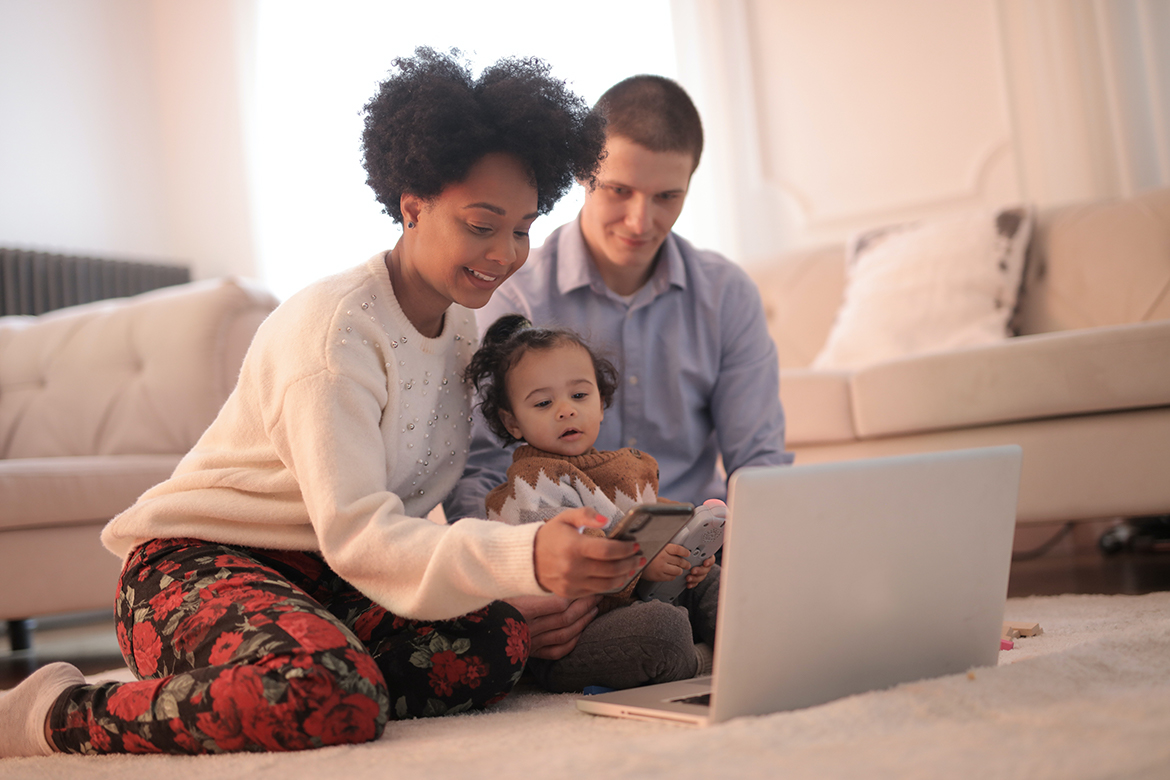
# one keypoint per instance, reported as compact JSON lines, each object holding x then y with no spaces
{"x":130,"y":701}
{"x":350,"y":721}
{"x":183,"y":739}
{"x":519,"y":640}
{"x":364,"y":664}
{"x":369,"y":620}
{"x":221,"y":651}
{"x":136,"y":744}
{"x":99,"y":738}
{"x":448,"y":669}
{"x":164,"y":603}
{"x":311,"y":631}
{"x":166,"y":567}
{"x":244,"y":649}
{"x":147,"y":649}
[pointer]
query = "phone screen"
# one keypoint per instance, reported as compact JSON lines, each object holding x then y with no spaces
{"x":652,"y":526}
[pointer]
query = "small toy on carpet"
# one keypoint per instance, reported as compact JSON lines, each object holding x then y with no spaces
{"x":1013,"y":630}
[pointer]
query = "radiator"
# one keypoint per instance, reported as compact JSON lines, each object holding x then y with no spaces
{"x":37,"y":282}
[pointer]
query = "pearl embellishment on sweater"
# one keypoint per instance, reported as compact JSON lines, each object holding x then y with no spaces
{"x":435,"y":412}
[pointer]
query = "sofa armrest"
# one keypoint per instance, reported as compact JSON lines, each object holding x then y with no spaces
{"x":1030,"y":377}
{"x":801,"y":291}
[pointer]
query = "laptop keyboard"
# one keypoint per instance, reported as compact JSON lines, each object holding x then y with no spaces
{"x":703,"y":700}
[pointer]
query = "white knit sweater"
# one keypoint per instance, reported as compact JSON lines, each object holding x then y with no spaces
{"x":345,"y":428}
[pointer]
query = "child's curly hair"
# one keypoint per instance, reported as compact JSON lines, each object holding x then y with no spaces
{"x":430,"y":121}
{"x":504,"y":343}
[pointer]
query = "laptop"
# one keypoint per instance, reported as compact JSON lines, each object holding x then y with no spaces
{"x":842,"y":578}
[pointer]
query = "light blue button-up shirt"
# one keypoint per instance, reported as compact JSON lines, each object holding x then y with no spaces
{"x":699,"y":372}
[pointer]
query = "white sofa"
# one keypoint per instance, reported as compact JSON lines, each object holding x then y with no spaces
{"x":1084,"y":388}
{"x":99,"y":402}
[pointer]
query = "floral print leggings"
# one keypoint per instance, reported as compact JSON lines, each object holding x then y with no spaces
{"x":239,"y":649}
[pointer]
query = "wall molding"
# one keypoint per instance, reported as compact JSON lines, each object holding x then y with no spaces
{"x":971,"y":194}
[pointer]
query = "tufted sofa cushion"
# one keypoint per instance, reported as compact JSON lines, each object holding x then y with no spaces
{"x":135,"y":376}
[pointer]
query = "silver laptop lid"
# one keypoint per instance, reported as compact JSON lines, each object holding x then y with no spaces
{"x":841,"y":578}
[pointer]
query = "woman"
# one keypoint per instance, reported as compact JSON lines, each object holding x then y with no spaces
{"x":282,"y":591}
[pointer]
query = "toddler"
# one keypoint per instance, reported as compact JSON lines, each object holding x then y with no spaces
{"x":547,"y":388}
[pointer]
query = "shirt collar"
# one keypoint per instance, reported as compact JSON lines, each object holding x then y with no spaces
{"x":576,"y":268}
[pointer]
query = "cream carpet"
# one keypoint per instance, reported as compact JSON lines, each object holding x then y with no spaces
{"x":1089,"y":698}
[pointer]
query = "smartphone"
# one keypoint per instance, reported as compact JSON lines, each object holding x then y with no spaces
{"x":652,"y":526}
{"x":702,"y":536}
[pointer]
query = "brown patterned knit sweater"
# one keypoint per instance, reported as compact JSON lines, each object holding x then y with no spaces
{"x":541,"y":485}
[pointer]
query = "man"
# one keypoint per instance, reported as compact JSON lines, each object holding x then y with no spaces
{"x":685,"y":327}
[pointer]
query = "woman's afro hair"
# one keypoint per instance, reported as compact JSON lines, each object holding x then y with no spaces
{"x":430,"y":121}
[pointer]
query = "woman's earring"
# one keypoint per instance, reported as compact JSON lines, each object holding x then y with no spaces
{"x":410,"y":224}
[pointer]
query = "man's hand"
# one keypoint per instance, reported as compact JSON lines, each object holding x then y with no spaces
{"x":571,"y":565}
{"x":555,"y":624}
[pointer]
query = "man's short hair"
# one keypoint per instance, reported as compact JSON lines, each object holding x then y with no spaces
{"x":654,"y":112}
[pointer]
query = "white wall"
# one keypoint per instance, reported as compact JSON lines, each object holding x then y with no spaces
{"x":119,"y":131}
{"x":314,"y":213}
{"x":226,"y":133}
{"x":830,"y":117}
{"x":201,"y":62}
{"x":122,"y":122}
{"x":81,"y":158}
{"x":880,"y":111}
{"x":1090,"y":90}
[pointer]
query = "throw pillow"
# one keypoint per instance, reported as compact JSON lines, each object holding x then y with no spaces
{"x":928,"y":286}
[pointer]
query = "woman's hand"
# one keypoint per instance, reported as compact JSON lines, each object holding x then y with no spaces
{"x":667,"y":565}
{"x":570,"y":564}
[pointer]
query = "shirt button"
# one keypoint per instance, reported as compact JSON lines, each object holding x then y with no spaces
{"x":633,"y":380}
{"x":631,"y":442}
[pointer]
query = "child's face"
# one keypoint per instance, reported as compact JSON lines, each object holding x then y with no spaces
{"x":556,"y":406}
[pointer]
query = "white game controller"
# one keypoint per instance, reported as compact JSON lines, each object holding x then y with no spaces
{"x":702,"y":536}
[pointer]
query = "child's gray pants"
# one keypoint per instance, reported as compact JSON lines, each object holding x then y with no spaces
{"x":645,"y":642}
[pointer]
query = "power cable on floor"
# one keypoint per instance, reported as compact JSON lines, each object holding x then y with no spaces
{"x":1039,"y":551}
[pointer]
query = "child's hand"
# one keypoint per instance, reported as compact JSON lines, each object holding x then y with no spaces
{"x":700,"y":572}
{"x":667,"y":565}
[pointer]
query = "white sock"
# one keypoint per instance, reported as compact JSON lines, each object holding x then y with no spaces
{"x":24,"y":709}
